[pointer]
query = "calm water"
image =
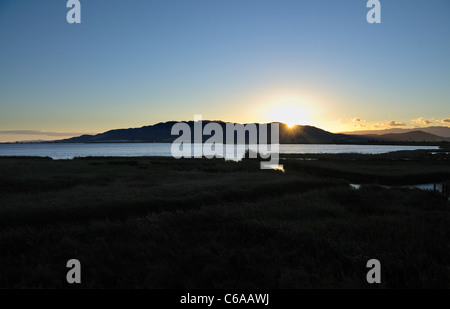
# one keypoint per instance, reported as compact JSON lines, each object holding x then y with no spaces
{"x":69,"y":151}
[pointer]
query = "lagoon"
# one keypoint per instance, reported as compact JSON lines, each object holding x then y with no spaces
{"x":59,"y":151}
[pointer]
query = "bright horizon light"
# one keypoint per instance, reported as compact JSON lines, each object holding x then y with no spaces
{"x":317,"y":63}
{"x":291,"y":111}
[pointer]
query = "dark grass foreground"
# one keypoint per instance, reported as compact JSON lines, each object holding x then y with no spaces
{"x":197,"y":223}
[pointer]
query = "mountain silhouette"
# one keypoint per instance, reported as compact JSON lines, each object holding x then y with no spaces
{"x":416,"y":136}
{"x":435,"y":130}
{"x":161,"y":133}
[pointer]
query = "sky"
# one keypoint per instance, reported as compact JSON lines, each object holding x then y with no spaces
{"x":131,"y":63}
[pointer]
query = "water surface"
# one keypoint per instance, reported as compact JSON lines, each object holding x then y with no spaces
{"x":70,"y":151}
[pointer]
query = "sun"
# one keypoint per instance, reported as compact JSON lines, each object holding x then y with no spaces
{"x":289,"y":113}
{"x":290,"y":124}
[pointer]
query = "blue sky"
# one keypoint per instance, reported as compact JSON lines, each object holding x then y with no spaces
{"x":132,"y":63}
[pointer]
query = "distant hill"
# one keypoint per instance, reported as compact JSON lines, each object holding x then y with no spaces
{"x":155,"y":133}
{"x":313,"y":135}
{"x":439,"y":131}
{"x":413,"y":136}
{"x":161,"y":133}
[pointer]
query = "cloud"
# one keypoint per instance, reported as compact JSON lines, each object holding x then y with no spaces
{"x":356,"y":119}
{"x":418,"y":120}
{"x":38,"y":132}
{"x":421,"y":120}
{"x":446,"y":120}
{"x":396,"y":124}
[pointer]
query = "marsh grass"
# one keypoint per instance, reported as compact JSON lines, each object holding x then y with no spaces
{"x":196,"y":223}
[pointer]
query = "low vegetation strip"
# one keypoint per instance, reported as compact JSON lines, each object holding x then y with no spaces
{"x":165,"y":223}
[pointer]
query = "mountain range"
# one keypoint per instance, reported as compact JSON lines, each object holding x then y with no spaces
{"x":435,"y":130}
{"x":161,"y":133}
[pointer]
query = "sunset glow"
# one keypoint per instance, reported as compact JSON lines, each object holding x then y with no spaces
{"x":276,"y":61}
{"x":289,"y":110}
